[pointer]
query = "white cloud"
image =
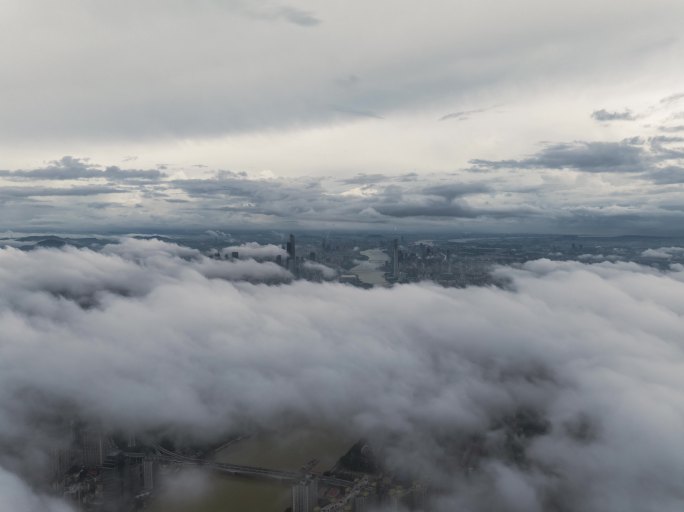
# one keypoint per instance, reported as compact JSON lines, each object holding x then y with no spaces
{"x":584,"y":359}
{"x":326,"y":272}
{"x":665,"y":253}
{"x":255,"y":250}
{"x":16,"y":496}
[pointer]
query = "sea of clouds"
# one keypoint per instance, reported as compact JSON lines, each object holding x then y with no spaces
{"x":561,"y":391}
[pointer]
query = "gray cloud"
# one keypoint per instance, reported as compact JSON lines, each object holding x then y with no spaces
{"x":667,"y":175}
{"x":25,"y":192}
{"x":673,"y":98}
{"x":583,"y":156}
{"x":308,"y":199}
{"x":357,"y":112}
{"x":365,"y":179}
{"x":297,"y":16}
{"x":287,"y":13}
{"x":605,"y":115}
{"x":663,"y":150}
{"x":672,"y":129}
{"x":523,"y":192}
{"x":429,"y":209}
{"x":450,"y":191}
{"x":70,"y":168}
{"x":463,"y":115}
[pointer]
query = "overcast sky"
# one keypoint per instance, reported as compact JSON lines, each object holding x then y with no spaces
{"x":545,"y":116}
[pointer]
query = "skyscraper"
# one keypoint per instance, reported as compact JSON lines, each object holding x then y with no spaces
{"x":305,"y":495}
{"x":291,"y":255}
{"x":395,"y":259}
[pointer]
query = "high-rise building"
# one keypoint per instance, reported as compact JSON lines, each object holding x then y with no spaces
{"x":94,"y":446}
{"x":125,"y":476}
{"x":305,"y":495}
{"x":365,"y":502}
{"x":395,"y":259}
{"x":291,"y":255}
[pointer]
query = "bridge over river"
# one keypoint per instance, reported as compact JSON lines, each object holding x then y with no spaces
{"x":164,"y":455}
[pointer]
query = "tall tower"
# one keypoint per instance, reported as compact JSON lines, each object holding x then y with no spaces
{"x":395,"y":259}
{"x":291,"y":255}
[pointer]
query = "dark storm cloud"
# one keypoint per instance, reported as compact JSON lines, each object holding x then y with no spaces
{"x":582,"y":156}
{"x":605,"y":115}
{"x":533,"y":398}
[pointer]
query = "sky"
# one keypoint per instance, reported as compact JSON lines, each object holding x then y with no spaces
{"x":541,"y":116}
{"x":567,"y":381}
{"x":442,"y":116}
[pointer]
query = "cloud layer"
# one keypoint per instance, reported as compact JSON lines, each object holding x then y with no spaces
{"x":560,"y":392}
{"x":628,"y":187}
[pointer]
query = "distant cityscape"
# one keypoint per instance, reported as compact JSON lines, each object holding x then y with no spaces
{"x":386,"y":259}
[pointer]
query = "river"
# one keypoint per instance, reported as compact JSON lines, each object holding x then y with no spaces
{"x":372,"y":270}
{"x":274,"y":450}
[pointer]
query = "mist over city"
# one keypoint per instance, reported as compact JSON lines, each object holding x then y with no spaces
{"x":297,"y":256}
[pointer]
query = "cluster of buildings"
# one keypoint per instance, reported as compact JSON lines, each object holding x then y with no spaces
{"x":93,"y":473}
{"x":96,"y":472}
{"x":365,"y":487}
{"x":367,"y":493}
{"x":418,"y":261}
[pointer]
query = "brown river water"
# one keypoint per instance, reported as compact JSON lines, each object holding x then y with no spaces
{"x":215,"y":493}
